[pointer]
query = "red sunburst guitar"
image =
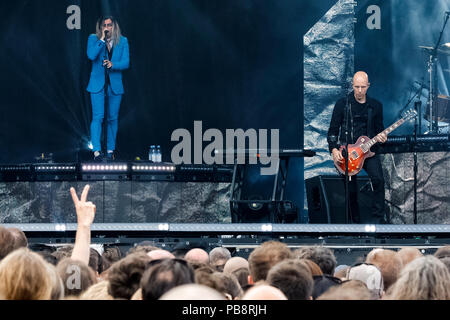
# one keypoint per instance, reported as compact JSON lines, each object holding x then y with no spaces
{"x":360,"y":151}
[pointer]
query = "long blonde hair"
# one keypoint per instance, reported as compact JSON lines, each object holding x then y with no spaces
{"x":424,"y":278}
{"x":116,"y":34}
{"x":24,"y":275}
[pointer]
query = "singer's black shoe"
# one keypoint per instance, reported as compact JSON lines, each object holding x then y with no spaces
{"x":110,"y":156}
{"x":99,"y":158}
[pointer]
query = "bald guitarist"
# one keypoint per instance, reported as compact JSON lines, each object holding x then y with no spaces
{"x":365,"y":119}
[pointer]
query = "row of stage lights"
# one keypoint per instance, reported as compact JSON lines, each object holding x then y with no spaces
{"x":112,"y":171}
{"x":55,"y":168}
{"x":104,"y":167}
{"x":124,"y":168}
{"x":92,"y":168}
{"x":154,"y":168}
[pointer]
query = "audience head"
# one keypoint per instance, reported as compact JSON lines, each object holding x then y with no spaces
{"x":341,"y":271}
{"x":370,"y":275}
{"x":264,"y":292}
{"x":57,"y":283}
{"x":6,"y":242}
{"x":388,"y":262}
{"x":110,"y":255}
{"x":424,"y":278}
{"x":63,"y":252}
{"x":322,"y":256}
{"x":125,"y":275}
{"x":144,"y":246}
{"x":238,"y":266}
{"x":202,"y":271}
{"x":234,"y":264}
{"x":313,"y":267}
{"x":20,"y":239}
{"x":446,"y":262}
{"x":348,"y":290}
{"x":265,"y":257}
{"x":192,"y":291}
{"x":160,"y":254}
{"x":98,"y":291}
{"x":76,"y":276}
{"x":442,"y":252}
{"x":24,"y":275}
{"x":197,"y":255}
{"x":163,"y":275}
{"x":324,"y":283}
{"x":293,"y":277}
{"x":242,"y":276}
{"x":225,"y":283}
{"x":95,"y":261}
{"x":218,"y":257}
{"x":408,"y":254}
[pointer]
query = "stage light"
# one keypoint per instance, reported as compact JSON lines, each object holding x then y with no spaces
{"x":370,"y":228}
{"x":60,"y":227}
{"x":163,"y":226}
{"x":266,"y":228}
{"x":90,"y":146}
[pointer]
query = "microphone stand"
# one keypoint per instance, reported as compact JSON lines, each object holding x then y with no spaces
{"x":105,"y":105}
{"x":347,"y":202}
{"x":417,"y":106}
{"x":431,"y":68}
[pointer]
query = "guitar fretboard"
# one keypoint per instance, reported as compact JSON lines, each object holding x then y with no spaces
{"x":366,"y":146}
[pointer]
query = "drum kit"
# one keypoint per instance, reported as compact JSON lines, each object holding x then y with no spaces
{"x":438,"y":105}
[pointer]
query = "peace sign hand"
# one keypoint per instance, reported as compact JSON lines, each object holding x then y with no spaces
{"x":85,"y":209}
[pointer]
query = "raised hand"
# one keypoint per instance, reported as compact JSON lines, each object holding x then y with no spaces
{"x":85,"y":209}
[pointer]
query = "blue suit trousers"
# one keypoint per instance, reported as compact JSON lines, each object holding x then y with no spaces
{"x":98,"y":111}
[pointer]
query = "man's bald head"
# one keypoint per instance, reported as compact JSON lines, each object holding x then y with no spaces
{"x":264,"y":292}
{"x":192,"y":291}
{"x":360,"y":86}
{"x":160,"y":254}
{"x":197,"y":255}
{"x":361,"y":76}
{"x":234,"y":264}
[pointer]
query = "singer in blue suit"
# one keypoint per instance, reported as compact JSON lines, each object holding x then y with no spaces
{"x":108,"y":50}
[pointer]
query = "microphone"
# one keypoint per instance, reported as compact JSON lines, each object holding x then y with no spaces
{"x":106,"y":33}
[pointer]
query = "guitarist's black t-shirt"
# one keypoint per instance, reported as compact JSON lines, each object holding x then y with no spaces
{"x":360,"y":114}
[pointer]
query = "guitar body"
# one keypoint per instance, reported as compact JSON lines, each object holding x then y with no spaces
{"x":356,"y":157}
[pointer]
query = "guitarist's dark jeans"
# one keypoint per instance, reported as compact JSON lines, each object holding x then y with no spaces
{"x":373,"y":168}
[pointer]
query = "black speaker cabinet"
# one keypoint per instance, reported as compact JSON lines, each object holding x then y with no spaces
{"x":326,"y":198}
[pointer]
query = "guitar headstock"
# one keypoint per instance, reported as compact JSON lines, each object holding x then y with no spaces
{"x":409,"y":114}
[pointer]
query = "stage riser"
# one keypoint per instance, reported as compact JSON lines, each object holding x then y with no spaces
{"x":117,"y":201}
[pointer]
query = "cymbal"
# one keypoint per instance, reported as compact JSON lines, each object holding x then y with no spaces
{"x":446,"y":49}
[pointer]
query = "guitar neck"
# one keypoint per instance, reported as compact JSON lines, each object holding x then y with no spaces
{"x":386,"y":131}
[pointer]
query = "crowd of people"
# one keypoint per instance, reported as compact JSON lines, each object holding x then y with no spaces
{"x":272,"y":271}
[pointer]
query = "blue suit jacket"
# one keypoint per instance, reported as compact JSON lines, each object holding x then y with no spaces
{"x":120,"y":61}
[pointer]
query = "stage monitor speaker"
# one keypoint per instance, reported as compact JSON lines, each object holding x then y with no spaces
{"x":326,"y":199}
